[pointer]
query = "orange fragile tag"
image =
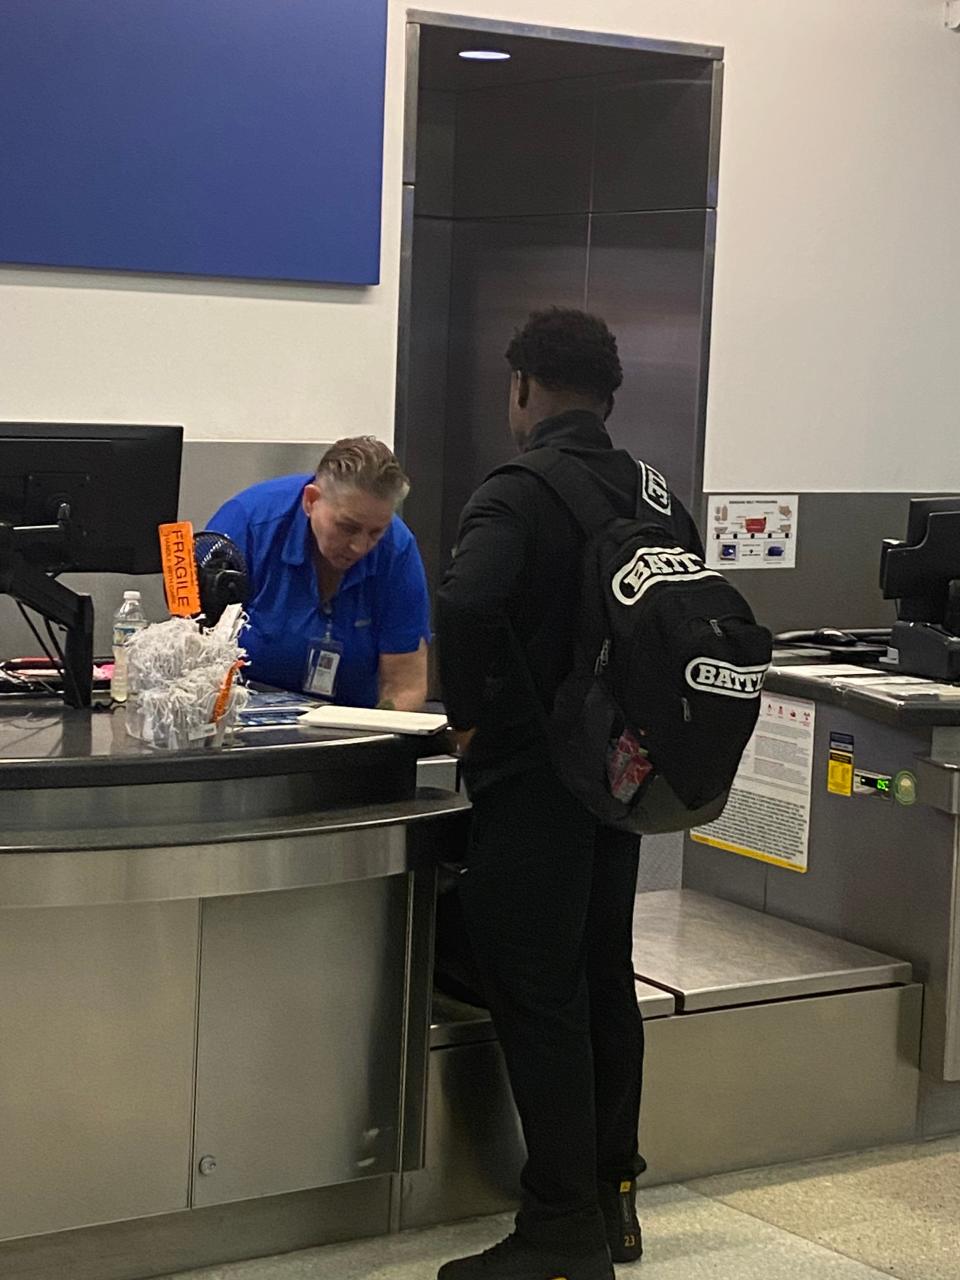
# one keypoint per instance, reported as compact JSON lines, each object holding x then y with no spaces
{"x":179,"y":568}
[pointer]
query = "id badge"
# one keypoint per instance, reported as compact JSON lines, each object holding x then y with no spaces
{"x":323,"y":663}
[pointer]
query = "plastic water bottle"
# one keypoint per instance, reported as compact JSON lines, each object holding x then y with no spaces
{"x":127,"y":621}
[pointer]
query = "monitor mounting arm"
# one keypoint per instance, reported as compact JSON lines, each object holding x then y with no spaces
{"x":33,"y":587}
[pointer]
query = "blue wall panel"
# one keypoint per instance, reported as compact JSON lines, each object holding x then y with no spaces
{"x":208,"y":137}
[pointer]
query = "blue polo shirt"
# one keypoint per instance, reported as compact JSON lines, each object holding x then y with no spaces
{"x":381,"y":605}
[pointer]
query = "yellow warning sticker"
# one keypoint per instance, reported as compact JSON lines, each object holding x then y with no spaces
{"x":840,"y":774}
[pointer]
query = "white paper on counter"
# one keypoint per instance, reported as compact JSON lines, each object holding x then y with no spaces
{"x":908,"y":688}
{"x":373,"y":718}
{"x":829,"y":671}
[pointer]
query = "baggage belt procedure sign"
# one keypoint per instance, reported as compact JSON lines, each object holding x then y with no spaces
{"x":768,"y":814}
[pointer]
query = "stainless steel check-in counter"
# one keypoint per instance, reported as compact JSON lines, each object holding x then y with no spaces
{"x":215,"y":980}
{"x":215,"y":985}
{"x":884,"y":862}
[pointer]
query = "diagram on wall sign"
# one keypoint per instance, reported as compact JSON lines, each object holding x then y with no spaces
{"x":752,"y":531}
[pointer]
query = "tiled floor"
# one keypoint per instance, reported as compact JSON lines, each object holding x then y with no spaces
{"x":894,"y":1212}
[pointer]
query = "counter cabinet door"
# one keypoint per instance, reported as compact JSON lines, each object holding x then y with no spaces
{"x":300,"y":1038}
{"x":98,"y":1013}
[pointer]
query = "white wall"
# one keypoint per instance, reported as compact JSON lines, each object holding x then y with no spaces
{"x":837,"y":309}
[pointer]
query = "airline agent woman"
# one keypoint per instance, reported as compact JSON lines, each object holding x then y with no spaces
{"x":338,"y":604}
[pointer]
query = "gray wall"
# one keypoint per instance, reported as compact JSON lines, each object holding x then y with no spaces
{"x":212,"y":472}
{"x":837,"y":579}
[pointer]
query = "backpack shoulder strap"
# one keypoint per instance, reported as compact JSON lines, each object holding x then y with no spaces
{"x":572,"y":482}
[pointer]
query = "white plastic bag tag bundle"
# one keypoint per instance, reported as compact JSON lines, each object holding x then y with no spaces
{"x":183,"y":691}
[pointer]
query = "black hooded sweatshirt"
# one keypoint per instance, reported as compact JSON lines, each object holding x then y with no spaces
{"x":507,"y":612}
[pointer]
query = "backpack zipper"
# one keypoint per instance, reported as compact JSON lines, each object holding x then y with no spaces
{"x":718,"y":630}
{"x":603,"y":658}
{"x":687,"y":713}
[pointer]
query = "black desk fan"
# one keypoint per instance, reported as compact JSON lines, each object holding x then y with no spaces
{"x":221,"y":574}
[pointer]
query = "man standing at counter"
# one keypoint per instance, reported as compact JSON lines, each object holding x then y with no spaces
{"x":338,"y":598}
{"x":547,"y":893}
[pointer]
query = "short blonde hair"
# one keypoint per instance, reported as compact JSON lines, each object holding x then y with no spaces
{"x":364,"y":462}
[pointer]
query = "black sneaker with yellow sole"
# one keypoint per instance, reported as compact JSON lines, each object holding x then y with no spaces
{"x":618,"y":1201}
{"x":514,"y":1259}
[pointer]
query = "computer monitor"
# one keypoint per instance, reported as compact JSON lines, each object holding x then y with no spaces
{"x":86,"y":497}
{"x":923,"y":575}
{"x":116,"y":482}
{"x":918,"y":572}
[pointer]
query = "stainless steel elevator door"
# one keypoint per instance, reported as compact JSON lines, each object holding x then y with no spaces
{"x":502,"y":269}
{"x":648,"y":274}
{"x":300,"y":1039}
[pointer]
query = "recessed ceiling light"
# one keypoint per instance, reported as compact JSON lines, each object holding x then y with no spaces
{"x":484,"y":55}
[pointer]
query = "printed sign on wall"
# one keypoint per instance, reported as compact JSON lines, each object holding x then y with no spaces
{"x":752,"y":531}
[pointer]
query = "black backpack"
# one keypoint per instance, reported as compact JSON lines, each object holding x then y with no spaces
{"x":666,"y":649}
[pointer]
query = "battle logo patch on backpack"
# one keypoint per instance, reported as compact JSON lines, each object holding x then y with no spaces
{"x":711,"y":675}
{"x":649,"y":566}
{"x":654,"y":489}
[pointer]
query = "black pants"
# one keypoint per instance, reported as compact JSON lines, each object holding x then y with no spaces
{"x":548,"y":898}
